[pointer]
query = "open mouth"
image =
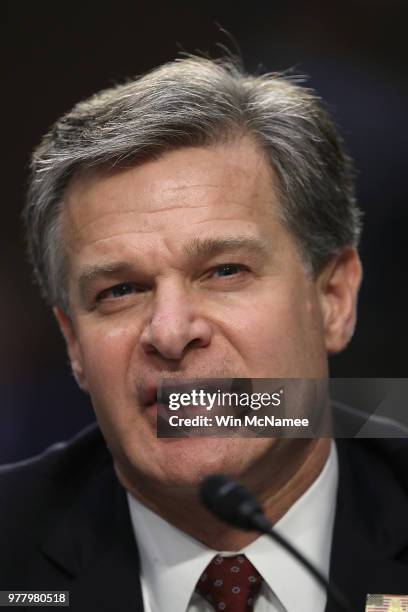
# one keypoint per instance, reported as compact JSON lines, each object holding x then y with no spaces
{"x":194,"y":397}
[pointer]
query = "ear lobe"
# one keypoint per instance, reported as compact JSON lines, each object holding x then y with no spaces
{"x":67,"y":329}
{"x":338,"y":286}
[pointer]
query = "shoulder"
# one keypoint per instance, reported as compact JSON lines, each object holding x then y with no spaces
{"x":372,"y":443}
{"x":59,"y":512}
{"x":391,"y":452}
{"x":373,"y":477}
{"x":35,"y":485}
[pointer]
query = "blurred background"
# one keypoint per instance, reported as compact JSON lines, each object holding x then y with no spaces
{"x":355,"y":53}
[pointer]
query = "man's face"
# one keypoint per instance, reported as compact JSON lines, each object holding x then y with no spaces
{"x":181,"y":268}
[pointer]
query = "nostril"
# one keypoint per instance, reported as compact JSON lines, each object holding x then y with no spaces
{"x":195,"y":343}
{"x":150,"y":349}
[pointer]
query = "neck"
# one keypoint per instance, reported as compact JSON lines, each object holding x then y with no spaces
{"x":303,"y":461}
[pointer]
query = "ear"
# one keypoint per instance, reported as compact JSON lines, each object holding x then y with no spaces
{"x":338,"y":285}
{"x":68,"y":331}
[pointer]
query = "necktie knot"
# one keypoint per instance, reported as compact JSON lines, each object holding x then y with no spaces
{"x":230,"y":584}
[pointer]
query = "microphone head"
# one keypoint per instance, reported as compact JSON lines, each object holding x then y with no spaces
{"x":230,"y":502}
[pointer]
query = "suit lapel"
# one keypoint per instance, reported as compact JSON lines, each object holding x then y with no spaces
{"x":370,"y":527}
{"x":94,"y":549}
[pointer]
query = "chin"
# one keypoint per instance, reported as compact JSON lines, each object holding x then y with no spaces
{"x":185,"y":462}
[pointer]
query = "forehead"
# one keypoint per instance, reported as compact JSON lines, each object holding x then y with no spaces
{"x":239,"y":167}
{"x":200,"y":189}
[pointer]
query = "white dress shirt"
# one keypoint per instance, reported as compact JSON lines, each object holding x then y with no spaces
{"x":172,"y":561}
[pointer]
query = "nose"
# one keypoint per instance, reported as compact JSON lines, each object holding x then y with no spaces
{"x":175,"y":324}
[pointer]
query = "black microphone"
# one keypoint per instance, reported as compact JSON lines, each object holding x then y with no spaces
{"x":234,"y":505}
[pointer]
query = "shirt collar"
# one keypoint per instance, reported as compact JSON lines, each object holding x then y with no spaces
{"x":172,"y":561}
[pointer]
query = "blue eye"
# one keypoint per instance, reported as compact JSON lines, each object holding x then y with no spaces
{"x":120,"y":290}
{"x":117,"y":291}
{"x":228,"y":269}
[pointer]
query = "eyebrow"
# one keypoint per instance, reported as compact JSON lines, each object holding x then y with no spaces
{"x":94,"y":271}
{"x":202,"y":248}
{"x":197,"y":248}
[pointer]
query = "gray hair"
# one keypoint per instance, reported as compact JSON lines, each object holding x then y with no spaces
{"x":196,"y":101}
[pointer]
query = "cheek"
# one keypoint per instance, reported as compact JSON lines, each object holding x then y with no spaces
{"x":281,"y":336}
{"x":106,"y":356}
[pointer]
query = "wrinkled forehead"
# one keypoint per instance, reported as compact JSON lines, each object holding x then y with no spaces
{"x":225,"y":175}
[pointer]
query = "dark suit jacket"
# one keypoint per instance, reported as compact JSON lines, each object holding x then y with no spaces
{"x":65,"y":525}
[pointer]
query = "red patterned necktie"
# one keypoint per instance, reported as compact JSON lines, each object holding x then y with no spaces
{"x":230,"y":584}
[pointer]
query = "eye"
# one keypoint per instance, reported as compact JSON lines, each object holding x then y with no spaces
{"x":117,"y":291}
{"x":229,"y":269}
